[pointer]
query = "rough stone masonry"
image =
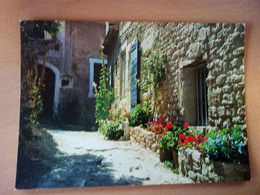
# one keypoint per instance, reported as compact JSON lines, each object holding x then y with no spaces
{"x":220,"y":47}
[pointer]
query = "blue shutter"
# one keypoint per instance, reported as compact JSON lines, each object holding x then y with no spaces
{"x":134,"y":73}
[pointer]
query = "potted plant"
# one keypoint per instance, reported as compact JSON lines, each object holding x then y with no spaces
{"x":165,"y":143}
{"x":169,"y":139}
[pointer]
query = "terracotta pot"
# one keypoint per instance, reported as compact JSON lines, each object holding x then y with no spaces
{"x":175,"y":157}
{"x":165,"y":156}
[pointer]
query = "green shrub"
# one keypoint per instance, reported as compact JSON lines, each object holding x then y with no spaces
{"x":103,"y":127}
{"x":111,"y":131}
{"x":141,"y":115}
{"x":227,"y":145}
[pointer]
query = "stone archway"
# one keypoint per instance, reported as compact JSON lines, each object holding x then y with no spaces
{"x":56,"y":86}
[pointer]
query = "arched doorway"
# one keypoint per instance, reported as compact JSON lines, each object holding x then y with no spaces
{"x":56,"y":86}
{"x":47,"y":92}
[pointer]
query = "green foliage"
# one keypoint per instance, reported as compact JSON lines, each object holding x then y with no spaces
{"x":35,"y":29}
{"x":166,"y":142}
{"x":172,"y":165}
{"x":111,"y":131}
{"x":104,"y":95}
{"x":154,"y":65}
{"x":141,"y":115}
{"x":227,"y":145}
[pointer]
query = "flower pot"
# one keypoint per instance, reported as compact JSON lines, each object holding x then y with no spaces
{"x":175,"y":157}
{"x":165,"y":156}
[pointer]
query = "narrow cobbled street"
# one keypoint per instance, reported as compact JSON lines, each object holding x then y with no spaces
{"x":87,"y":159}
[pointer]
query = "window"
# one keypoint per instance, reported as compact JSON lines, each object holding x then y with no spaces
{"x":123,"y":75}
{"x":95,"y":66}
{"x":201,"y":96}
{"x":195,"y":96}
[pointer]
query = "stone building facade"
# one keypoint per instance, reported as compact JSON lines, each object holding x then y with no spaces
{"x":75,"y":61}
{"x":204,"y":83}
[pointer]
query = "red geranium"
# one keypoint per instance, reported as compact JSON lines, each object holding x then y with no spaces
{"x":168,"y":126}
{"x":180,"y":142}
{"x":163,"y":133}
{"x":161,"y":116}
{"x":127,"y":115}
{"x":186,"y":125}
{"x":181,"y":136}
{"x":124,"y":110}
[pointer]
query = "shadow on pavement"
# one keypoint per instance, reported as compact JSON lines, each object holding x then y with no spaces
{"x":57,"y":170}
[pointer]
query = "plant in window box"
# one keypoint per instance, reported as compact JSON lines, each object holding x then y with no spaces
{"x":227,"y":145}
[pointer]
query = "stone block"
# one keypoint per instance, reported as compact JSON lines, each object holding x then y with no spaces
{"x":238,"y":51}
{"x":192,"y":175}
{"x":196,"y":156}
{"x":221,"y":111}
{"x":227,"y":123}
{"x":221,"y":80}
{"x":202,"y":35}
{"x":226,"y":89}
{"x":228,"y":99}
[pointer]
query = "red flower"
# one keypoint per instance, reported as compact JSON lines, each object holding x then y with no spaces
{"x":161,"y":116}
{"x":110,"y":110}
{"x":157,"y":131}
{"x":185,"y":142}
{"x":181,"y":136}
{"x":124,"y":110}
{"x":127,"y":115}
{"x":180,"y":142}
{"x":163,"y":133}
{"x":203,"y":139}
{"x":189,"y":138}
{"x":201,"y":150}
{"x":186,"y":125}
{"x":168,"y":126}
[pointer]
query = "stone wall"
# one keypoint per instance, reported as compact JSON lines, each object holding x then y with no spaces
{"x":147,"y":140}
{"x":220,"y":47}
{"x":200,"y":169}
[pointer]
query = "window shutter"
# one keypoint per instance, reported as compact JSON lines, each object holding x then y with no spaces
{"x":134,"y":73}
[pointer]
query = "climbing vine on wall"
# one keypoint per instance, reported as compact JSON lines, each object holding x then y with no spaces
{"x":154,"y":65}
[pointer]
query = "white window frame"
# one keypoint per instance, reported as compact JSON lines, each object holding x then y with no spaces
{"x":92,"y":61}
